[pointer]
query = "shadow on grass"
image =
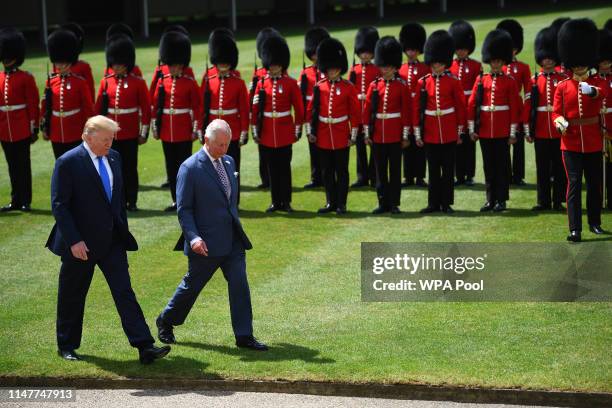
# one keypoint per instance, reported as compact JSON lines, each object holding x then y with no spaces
{"x":152,"y":188}
{"x":277,"y":352}
{"x":170,"y":393}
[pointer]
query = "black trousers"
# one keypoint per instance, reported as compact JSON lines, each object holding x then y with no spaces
{"x":414,"y":161}
{"x":279,"y":170}
{"x":334,"y":164}
{"x":575,"y":165}
{"x":175,"y":154}
{"x":128,"y":149}
{"x":366,"y":170}
{"x":263,"y":167}
{"x":465,"y":164}
{"x":518,"y":158}
{"x":74,"y":280}
{"x":549,"y":165}
{"x":441,"y":163}
{"x":609,"y":183}
{"x":388,"y":162}
{"x":61,"y":148}
{"x":234,"y":152}
{"x":17,"y":156}
{"x":315,"y":164}
{"x":495,"y":157}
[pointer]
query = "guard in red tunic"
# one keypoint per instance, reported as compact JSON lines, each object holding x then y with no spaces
{"x":387,"y":112}
{"x":466,"y":70}
{"x":123,"y":96}
{"x":217,"y":32}
{"x":494,"y":110}
{"x":309,"y":76}
{"x":334,"y":117}
{"x":556,"y":25}
{"x":576,"y":114}
{"x":19,"y":116}
{"x":80,"y":67}
{"x":123,"y":29}
{"x":274,"y":128}
{"x":412,"y":37}
{"x":539,"y":126}
{"x":361,"y":75}
{"x":522,"y":75}
{"x":67,"y":102}
{"x":258,"y":74}
{"x":177,"y":106}
{"x":605,"y":76}
{"x":439,"y":114}
{"x":226,"y":96}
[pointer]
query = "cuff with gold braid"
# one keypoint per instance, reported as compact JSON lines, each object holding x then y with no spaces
{"x":405,"y":132}
{"x":144,"y":131}
{"x":513,"y":131}
{"x":354,"y":132}
{"x":471,"y":126}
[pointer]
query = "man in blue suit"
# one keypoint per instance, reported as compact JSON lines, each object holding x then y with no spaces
{"x":91,"y":228}
{"x":212,"y":237}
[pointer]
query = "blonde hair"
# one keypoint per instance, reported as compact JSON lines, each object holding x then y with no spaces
{"x":97,"y":123}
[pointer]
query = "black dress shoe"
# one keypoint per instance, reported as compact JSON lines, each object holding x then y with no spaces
{"x":250,"y":342}
{"x":448,"y":210}
{"x":287,"y":208}
{"x":26,"y":208}
{"x":469,"y":182}
{"x":165,"y":332}
{"x":379,"y":210}
{"x":421,"y":183}
{"x":9,"y":207}
{"x":359,"y":183}
{"x":596,"y":229}
{"x":500,"y":206}
{"x":263,"y":186}
{"x":540,"y":207}
{"x":558,"y":207}
{"x":459,"y":182}
{"x":395,"y":210}
{"x":70,"y":355}
{"x":170,"y":208}
{"x":574,"y":236}
{"x":429,"y":210}
{"x":488,"y":206}
{"x":341,"y":210}
{"x":272,"y":208}
{"x":519,"y":183}
{"x":312,"y":184}
{"x":408,"y":182}
{"x":165,"y":185}
{"x":132,"y":207}
{"x":149,"y":354}
{"x":327,"y":209}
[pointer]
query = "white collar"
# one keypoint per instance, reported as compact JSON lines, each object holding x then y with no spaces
{"x":92,"y":155}
{"x":205,"y":148}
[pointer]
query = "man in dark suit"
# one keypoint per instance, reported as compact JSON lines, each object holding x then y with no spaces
{"x":91,"y":229}
{"x":212,"y":237}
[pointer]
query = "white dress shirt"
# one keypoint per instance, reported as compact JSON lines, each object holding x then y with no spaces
{"x":94,"y":159}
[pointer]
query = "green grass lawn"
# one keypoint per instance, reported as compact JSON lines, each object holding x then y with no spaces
{"x":305,"y":281}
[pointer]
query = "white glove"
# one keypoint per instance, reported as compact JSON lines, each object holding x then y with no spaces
{"x":586,"y":88}
{"x":244,"y":137}
{"x":255,"y":135}
{"x":354,"y":135}
{"x":561,"y":124}
{"x":298,"y":132}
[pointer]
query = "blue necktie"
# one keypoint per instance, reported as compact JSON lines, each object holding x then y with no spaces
{"x":105,"y":178}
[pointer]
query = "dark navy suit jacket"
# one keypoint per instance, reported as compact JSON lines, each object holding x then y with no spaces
{"x":203,"y":208}
{"x":81,"y":209}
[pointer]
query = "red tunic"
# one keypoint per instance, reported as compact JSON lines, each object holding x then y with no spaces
{"x":257,"y":75}
{"x":279,"y":127}
{"x":606,"y":109}
{"x":547,"y":84}
{"x":500,"y":109}
{"x":571,"y":104}
{"x":129,"y":104}
{"x":212,"y":71}
{"x":313,"y":75}
{"x":166,"y":71}
{"x":467,"y":71}
{"x":393,"y":116}
{"x":19,"y":112}
{"x":445,"y":112}
{"x":229,"y":100}
{"x":182,"y":108}
{"x":339,"y":114}
{"x":136,"y":71}
{"x":364,"y":75}
{"x":83,"y":69}
{"x":411,"y":72}
{"x":72,"y":106}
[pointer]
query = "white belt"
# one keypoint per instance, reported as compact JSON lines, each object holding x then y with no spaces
{"x":277,"y":114}
{"x":388,"y":115}
{"x":467,"y":92}
{"x":326,"y":119}
{"x":9,"y":108}
{"x":62,"y":114}
{"x":361,"y":96}
{"x":309,"y":98}
{"x":545,"y":108}
{"x":493,"y":108}
{"x":176,"y":111}
{"x":222,"y":112}
{"x":439,"y":112}
{"x":114,"y":111}
{"x":607,"y":110}
{"x":413,"y":94}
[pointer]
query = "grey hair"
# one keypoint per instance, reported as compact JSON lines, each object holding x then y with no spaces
{"x":99,"y":122}
{"x":217,"y":126}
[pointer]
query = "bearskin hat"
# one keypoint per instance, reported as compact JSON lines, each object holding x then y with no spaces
{"x":439,"y":47}
{"x":222,"y":49}
{"x":578,"y":43}
{"x":12,"y":46}
{"x":275,"y":51}
{"x":332,"y":54}
{"x":515,"y":29}
{"x":176,"y":28}
{"x":119,"y":28}
{"x":78,"y":31}
{"x":262,"y":36}
{"x":605,"y":45}
{"x":412,"y":36}
{"x":365,"y":40}
{"x":120,"y":51}
{"x":175,"y":48}
{"x":313,"y":38}
{"x":388,"y":52}
{"x":63,"y":46}
{"x":497,"y":45}
{"x":463,"y":35}
{"x":545,"y":45}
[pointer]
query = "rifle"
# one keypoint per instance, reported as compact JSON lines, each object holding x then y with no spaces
{"x":253,"y":81}
{"x":304,"y":84}
{"x":423,"y":105}
{"x":161,"y":99}
{"x":48,"y":104}
{"x":353,"y":75}
{"x":478,"y":99}
{"x":535,"y":100}
{"x":261,"y":104}
{"x":105,"y":100}
{"x":373,"y":111}
{"x":316,"y":107}
{"x":207,"y":96}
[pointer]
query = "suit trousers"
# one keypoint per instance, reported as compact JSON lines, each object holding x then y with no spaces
{"x":128,"y":149}
{"x":74,"y":280}
{"x":441,"y":163}
{"x":61,"y":148}
{"x":496,"y":158}
{"x":334,"y":164}
{"x":175,"y":154}
{"x":388,"y":161}
{"x":17,"y":156}
{"x":575,"y":165}
{"x":279,"y":169}
{"x":200,"y":271}
{"x":549,"y":165}
{"x":414,"y":159}
{"x":234,"y":152}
